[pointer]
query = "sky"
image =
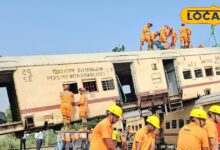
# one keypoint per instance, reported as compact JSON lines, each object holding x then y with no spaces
{"x":49,"y":27}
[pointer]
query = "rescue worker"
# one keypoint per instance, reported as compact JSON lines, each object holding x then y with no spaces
{"x":189,"y":34}
{"x":163,"y":36}
{"x":174,"y":37}
{"x":114,"y":135}
{"x":145,"y":36}
{"x":153,"y":36}
{"x":145,"y":137}
{"x":211,"y":126}
{"x":118,"y":139}
{"x":101,"y":138}
{"x":124,"y":141}
{"x":83,"y":107}
{"x":183,"y":36}
{"x":67,"y":98}
{"x":68,"y":139}
{"x":192,"y":136}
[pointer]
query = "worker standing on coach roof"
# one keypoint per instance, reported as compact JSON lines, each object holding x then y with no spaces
{"x":67,"y":98}
{"x":101,"y":138}
{"x":145,"y":36}
{"x":145,"y":137}
{"x":192,"y":136}
{"x":83,"y":107}
{"x":173,"y":36}
{"x":211,"y":126}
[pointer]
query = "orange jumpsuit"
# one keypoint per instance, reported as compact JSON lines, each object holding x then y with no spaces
{"x":163,"y":35}
{"x":174,"y":37}
{"x":189,"y":34}
{"x":144,"y":138}
{"x":83,"y":106}
{"x":145,"y":36}
{"x":192,"y":137}
{"x":102,"y":130}
{"x":183,"y":35}
{"x":66,"y":105}
{"x":211,"y":129}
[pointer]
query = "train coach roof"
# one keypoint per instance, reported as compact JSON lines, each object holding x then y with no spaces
{"x":16,"y":61}
{"x":215,"y":97}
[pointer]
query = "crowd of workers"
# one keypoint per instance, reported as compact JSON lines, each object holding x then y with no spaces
{"x":160,"y":38}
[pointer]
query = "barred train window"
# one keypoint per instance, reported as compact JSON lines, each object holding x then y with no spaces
{"x":187,"y":74}
{"x":198,"y":73}
{"x":208,"y":71}
{"x":173,"y":124}
{"x":167,"y":125}
{"x":108,"y":84}
{"x":217,"y":70}
{"x":90,"y":85}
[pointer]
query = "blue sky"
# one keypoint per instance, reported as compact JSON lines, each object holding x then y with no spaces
{"x":31,"y":27}
{"x":46,"y":27}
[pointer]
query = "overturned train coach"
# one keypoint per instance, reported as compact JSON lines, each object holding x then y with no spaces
{"x":136,"y":80}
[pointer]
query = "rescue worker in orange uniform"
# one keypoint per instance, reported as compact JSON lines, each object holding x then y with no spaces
{"x":153,"y":36}
{"x":83,"y":107}
{"x":145,"y":137}
{"x":67,"y":98}
{"x":163,"y":36}
{"x":192,"y":136}
{"x":145,"y":36}
{"x":184,"y":41}
{"x":174,"y":37}
{"x":101,"y":138}
{"x":211,"y":126}
{"x":189,"y":34}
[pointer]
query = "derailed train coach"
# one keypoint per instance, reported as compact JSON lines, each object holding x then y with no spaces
{"x":136,"y":80}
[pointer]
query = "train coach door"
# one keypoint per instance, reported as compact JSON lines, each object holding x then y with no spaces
{"x":125,"y":82}
{"x":171,"y":77}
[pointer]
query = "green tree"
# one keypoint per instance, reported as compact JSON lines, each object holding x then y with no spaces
{"x":8,"y":115}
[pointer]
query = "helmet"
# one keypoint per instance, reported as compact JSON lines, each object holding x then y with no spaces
{"x":115,"y":110}
{"x":215,"y":109}
{"x":198,"y":113}
{"x":154,"y":120}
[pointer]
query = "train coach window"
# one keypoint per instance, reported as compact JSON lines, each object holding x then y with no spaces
{"x":217,"y":70}
{"x":208,"y":71}
{"x":173,"y":124}
{"x":198,"y":73}
{"x":136,"y":128}
{"x":74,"y":88}
{"x":108,"y":84}
{"x":181,"y":123}
{"x":140,"y":126}
{"x":90,"y":85}
{"x":187,"y":74}
{"x":167,"y":125}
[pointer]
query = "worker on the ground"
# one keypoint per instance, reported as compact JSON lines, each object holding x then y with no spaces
{"x":145,"y":137}
{"x":189,"y":34}
{"x":211,"y":126}
{"x":145,"y":36}
{"x":68,"y":141}
{"x":114,"y":135}
{"x":163,"y":36}
{"x":118,"y":138}
{"x":67,"y":98}
{"x":73,"y":141}
{"x":124,"y":141}
{"x":183,"y":36}
{"x":192,"y":136}
{"x":174,"y":37}
{"x":83,"y":107}
{"x":101,"y":138}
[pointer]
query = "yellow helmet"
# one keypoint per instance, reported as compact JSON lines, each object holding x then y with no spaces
{"x":215,"y":109}
{"x":154,"y":120}
{"x":198,"y":113}
{"x":115,"y":110}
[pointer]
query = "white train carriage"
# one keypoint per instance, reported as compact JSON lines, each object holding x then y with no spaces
{"x":138,"y":80}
